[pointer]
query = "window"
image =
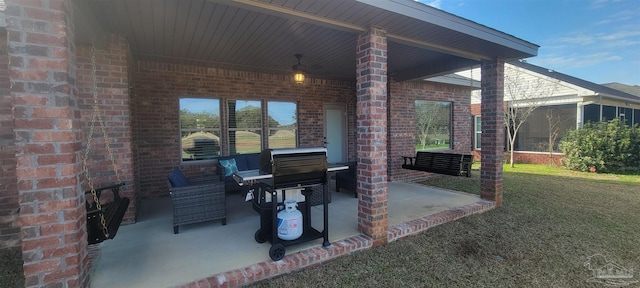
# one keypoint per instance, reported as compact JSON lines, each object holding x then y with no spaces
{"x":245,"y":126}
{"x":591,"y":113}
{"x":545,"y":127}
{"x":199,"y":128}
{"x":433,"y":125}
{"x":478,"y":132}
{"x":609,"y":113}
{"x":626,"y":115}
{"x":283,"y":124}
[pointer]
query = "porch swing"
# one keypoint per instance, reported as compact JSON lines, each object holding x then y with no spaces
{"x":103,"y":219}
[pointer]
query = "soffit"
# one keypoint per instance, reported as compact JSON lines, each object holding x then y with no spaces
{"x":264,"y":35}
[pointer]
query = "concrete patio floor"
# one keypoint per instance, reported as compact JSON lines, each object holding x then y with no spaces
{"x":148,"y":254}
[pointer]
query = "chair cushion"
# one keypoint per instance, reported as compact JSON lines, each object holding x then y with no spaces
{"x":177,"y":178}
{"x":229,"y":166}
{"x":241,"y":162}
{"x":253,"y":161}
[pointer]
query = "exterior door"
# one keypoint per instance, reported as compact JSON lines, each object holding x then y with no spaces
{"x":335,"y":132}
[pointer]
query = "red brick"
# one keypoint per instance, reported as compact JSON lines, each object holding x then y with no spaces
{"x":48,"y":183}
{"x":46,"y":39}
{"x":40,"y":148}
{"x":33,"y":75}
{"x":43,"y":14}
{"x":42,"y":266}
{"x":31,"y":100}
{"x":53,"y":159}
{"x":51,"y":112}
{"x":48,"y":136}
{"x":56,"y":276}
{"x":40,"y":243}
{"x":36,"y":63}
{"x":36,"y":172}
{"x":57,"y":205}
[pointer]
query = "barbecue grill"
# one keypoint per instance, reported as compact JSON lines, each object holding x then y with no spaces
{"x":299,"y":168}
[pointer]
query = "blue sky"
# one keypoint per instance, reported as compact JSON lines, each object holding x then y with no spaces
{"x":595,"y":40}
{"x":283,"y":112}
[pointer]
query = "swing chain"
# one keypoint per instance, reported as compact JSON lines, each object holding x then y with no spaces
{"x":96,"y":115}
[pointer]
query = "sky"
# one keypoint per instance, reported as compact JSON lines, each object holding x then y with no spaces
{"x":283,"y":112}
{"x":595,"y":40}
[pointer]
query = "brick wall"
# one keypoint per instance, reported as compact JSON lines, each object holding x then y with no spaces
{"x":528,"y":157}
{"x":155,"y":100}
{"x":9,"y":228}
{"x":158,"y":87}
{"x":112,"y":79}
{"x":47,"y":129}
{"x":402,"y":122}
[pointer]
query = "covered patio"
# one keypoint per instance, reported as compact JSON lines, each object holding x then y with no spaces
{"x":133,"y":62}
{"x":201,"y":251}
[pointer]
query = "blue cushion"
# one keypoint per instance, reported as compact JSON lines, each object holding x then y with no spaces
{"x":177,"y":178}
{"x":229,"y":166}
{"x":253,"y":161}
{"x":241,"y":162}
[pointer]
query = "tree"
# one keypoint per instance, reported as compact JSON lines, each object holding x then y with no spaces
{"x":554,"y":122}
{"x":431,"y":118}
{"x":524,"y":94}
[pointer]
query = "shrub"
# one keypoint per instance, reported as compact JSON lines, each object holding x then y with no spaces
{"x":607,"y":147}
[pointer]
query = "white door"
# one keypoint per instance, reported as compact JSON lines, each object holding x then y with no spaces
{"x":335,"y":120}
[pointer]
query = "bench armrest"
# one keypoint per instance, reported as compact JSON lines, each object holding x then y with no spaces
{"x":410,"y":158}
{"x":115,"y":190}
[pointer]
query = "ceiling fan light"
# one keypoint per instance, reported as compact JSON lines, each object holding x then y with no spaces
{"x":298,"y":71}
{"x":298,"y":77}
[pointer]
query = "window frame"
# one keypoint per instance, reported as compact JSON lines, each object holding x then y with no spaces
{"x":213,"y":130}
{"x":295,"y":124}
{"x":232,"y":148}
{"x":477,"y":132}
{"x":449,"y":105}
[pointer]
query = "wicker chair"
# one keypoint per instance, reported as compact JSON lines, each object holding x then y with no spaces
{"x":196,"y":200}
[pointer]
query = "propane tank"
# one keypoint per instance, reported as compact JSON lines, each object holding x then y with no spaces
{"x":290,"y":221}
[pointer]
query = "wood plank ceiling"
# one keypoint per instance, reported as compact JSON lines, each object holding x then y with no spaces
{"x":238,"y":35}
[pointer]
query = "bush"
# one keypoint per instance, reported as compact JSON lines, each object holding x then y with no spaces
{"x":607,"y":147}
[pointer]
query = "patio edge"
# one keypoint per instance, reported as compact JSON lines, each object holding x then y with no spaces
{"x":292,"y":262}
{"x":421,"y":224}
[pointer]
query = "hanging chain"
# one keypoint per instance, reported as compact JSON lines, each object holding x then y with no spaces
{"x":96,"y":115}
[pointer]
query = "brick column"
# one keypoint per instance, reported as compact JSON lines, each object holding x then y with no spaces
{"x":9,"y":227}
{"x":47,"y":132}
{"x":492,"y":114}
{"x":371,"y":110}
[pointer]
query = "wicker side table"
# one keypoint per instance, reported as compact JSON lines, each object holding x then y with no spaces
{"x":198,"y":203}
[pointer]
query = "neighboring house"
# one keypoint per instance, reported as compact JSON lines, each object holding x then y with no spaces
{"x":629,"y":89}
{"x":573,"y":102}
{"x":223,"y":69}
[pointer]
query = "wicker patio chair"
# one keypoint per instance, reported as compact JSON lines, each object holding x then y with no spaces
{"x":196,"y":199}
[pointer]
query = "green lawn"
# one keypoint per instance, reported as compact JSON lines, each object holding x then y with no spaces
{"x":552,"y":220}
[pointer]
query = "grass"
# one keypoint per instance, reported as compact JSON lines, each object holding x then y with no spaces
{"x":246,"y":141}
{"x":552,"y":220}
{"x":11,"y":268}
